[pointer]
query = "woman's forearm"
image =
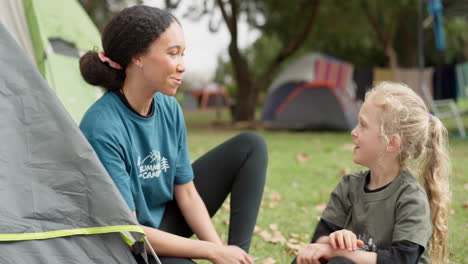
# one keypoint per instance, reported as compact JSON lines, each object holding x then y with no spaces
{"x":195,"y":213}
{"x":166,"y":244}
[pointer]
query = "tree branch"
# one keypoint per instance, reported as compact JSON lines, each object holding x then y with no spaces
{"x":230,"y":20}
{"x":293,"y":46}
{"x":375,"y":25}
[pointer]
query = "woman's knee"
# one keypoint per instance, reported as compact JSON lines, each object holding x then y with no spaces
{"x":253,"y":140}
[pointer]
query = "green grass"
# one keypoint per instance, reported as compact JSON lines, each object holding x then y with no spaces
{"x":303,"y":186}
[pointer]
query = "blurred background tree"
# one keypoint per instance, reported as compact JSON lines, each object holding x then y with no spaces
{"x":101,"y":11}
{"x":375,"y":33}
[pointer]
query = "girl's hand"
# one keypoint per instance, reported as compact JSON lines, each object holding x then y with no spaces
{"x":313,"y":254}
{"x":344,"y":239}
{"x":231,"y":255}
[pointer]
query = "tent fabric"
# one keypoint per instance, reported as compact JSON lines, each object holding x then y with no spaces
{"x":337,"y":73}
{"x":66,"y":23}
{"x":310,"y":106}
{"x":462,"y":79}
{"x":274,"y":100}
{"x":299,"y":70}
{"x":96,"y":249}
{"x":316,"y":107}
{"x":319,"y":68}
{"x":312,"y":75}
{"x":53,"y":184}
{"x":13,"y":18}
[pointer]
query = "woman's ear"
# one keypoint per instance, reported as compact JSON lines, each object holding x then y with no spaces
{"x":394,"y":144}
{"x":136,"y":60}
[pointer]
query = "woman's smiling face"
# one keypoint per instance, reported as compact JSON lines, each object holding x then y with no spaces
{"x":163,"y":63}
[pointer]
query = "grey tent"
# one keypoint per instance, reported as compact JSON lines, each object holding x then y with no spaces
{"x":314,"y":92}
{"x":310,"y":106}
{"x":57,"y":202}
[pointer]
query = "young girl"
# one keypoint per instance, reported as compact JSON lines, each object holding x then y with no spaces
{"x":138,"y":131}
{"x":384,"y":211}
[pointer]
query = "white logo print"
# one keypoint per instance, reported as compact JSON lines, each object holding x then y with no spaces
{"x":152,"y":165}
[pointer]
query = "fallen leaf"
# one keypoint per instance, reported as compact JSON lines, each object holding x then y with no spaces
{"x":294,"y":235}
{"x":257,"y":229}
{"x":293,"y":246}
{"x":226,"y":207}
{"x":275,"y":196}
{"x":302,"y":157}
{"x":272,"y":205}
{"x":304,"y":210}
{"x":465,"y":205}
{"x":226,"y":222}
{"x":293,"y":241}
{"x":346,"y":171}
{"x":273,"y":226}
{"x":265,"y":235}
{"x":321,"y":206}
{"x":269,"y":261}
{"x":277,"y":237}
{"x":465,"y":186}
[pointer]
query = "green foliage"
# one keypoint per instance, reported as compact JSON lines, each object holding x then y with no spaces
{"x":343,"y":30}
{"x":101,"y":11}
{"x":456,"y":32}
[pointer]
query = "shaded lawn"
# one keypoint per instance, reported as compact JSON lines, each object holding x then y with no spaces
{"x":296,"y":190}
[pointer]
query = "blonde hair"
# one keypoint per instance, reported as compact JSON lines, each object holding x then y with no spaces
{"x":424,"y":143}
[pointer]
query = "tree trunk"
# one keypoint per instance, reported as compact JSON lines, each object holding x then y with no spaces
{"x":391,"y":57}
{"x":244,"y":110}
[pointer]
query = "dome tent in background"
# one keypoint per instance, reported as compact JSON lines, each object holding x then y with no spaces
{"x":54,"y":34}
{"x":315,"y":92}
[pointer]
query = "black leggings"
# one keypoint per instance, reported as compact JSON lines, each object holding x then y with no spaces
{"x":236,"y":167}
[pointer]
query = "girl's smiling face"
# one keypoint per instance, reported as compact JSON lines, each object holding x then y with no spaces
{"x":370,"y":144}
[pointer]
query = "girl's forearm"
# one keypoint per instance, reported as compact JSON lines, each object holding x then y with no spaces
{"x":358,"y":256}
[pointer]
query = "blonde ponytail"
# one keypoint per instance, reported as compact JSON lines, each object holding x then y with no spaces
{"x":435,"y":168}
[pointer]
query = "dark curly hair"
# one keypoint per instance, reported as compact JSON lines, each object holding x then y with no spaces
{"x":129,"y":33}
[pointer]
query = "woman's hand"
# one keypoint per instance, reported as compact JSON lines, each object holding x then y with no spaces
{"x":344,"y":239}
{"x":313,"y":254}
{"x":231,"y":255}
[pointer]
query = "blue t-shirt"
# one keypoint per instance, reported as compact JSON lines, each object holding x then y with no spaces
{"x":145,"y":156}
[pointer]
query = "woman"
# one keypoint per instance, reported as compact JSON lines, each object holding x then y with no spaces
{"x":138,"y":131}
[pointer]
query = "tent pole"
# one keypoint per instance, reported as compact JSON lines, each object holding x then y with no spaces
{"x":421,"y":62}
{"x":152,"y":250}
